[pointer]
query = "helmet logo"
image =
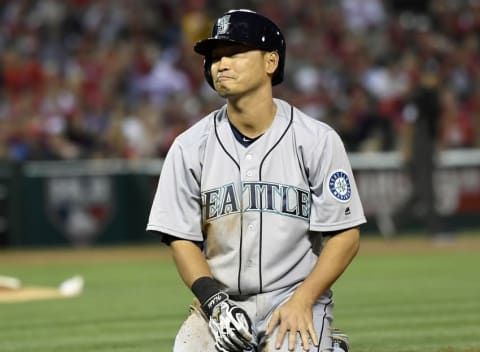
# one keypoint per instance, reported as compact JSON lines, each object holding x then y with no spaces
{"x":223,"y":24}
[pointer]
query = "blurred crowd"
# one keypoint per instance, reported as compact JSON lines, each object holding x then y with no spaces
{"x":119,"y":78}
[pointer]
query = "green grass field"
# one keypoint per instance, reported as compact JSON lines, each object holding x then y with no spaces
{"x":401,"y":295}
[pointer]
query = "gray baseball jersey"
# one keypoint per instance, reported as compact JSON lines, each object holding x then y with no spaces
{"x":260,"y":210}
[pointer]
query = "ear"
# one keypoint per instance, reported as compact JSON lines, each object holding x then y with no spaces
{"x":271,"y":61}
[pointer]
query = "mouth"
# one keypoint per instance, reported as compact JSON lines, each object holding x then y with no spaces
{"x":221,"y":78}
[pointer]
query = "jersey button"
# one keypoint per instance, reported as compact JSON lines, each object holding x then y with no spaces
{"x":249,"y":156}
{"x":251,"y":227}
{"x":249,"y":173}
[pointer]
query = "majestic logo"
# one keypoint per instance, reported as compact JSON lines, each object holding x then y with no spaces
{"x":339,"y":185}
{"x":80,"y":206}
{"x":222,"y":25}
{"x":257,"y":196}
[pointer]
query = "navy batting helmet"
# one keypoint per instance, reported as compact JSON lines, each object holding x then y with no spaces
{"x":248,"y":28}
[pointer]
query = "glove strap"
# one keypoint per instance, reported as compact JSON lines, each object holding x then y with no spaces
{"x":210,"y":304}
{"x":208,"y":293}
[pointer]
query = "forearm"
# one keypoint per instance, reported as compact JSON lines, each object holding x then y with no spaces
{"x":332,"y":262}
{"x":190,"y":261}
{"x":195,"y":272}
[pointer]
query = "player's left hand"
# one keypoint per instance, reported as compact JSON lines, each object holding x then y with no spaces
{"x":293,"y":317}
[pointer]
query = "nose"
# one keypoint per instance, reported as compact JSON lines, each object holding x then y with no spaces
{"x":222,"y":63}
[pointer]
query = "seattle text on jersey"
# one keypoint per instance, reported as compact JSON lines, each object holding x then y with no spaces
{"x":257,"y":196}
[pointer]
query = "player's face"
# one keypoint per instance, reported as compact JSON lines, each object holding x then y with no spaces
{"x":237,"y":69}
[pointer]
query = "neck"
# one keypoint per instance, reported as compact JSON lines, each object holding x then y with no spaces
{"x":252,"y":116}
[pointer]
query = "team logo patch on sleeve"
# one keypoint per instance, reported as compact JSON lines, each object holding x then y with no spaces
{"x":339,"y":185}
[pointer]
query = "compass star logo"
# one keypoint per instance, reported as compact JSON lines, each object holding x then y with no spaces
{"x":339,"y":185}
{"x":222,"y":24}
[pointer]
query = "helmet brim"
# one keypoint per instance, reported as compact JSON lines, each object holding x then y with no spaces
{"x":206,"y":46}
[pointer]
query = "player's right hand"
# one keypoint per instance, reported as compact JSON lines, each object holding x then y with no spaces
{"x":229,"y":324}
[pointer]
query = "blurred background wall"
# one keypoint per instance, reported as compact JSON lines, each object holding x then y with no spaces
{"x":92,"y":94}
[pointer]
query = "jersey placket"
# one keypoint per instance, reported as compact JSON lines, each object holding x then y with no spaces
{"x":249,"y":269}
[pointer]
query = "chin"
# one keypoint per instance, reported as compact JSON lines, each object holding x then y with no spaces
{"x":222,"y":91}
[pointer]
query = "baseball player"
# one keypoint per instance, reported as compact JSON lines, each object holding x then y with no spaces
{"x":259,"y":205}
